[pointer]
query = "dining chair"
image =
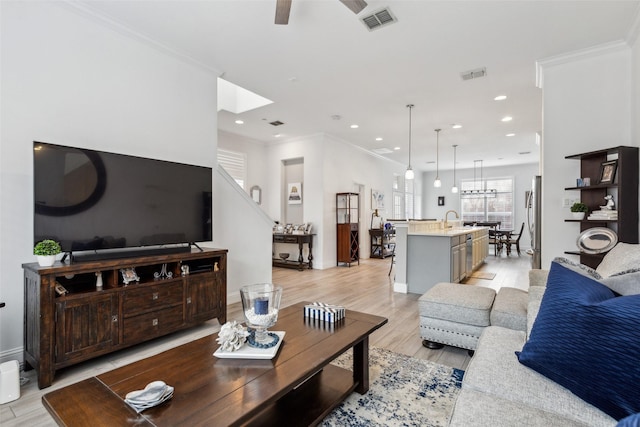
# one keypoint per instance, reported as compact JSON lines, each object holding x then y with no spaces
{"x":495,"y":240}
{"x":514,"y":239}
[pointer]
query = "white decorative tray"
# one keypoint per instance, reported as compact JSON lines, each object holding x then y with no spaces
{"x":248,"y":352}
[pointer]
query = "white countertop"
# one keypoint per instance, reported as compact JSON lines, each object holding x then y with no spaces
{"x":450,"y":232}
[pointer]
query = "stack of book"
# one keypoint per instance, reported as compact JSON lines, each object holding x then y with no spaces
{"x":325,"y":312}
{"x":603,"y":215}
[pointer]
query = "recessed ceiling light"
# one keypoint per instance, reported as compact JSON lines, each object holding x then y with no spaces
{"x":456,"y":126}
{"x":500,"y":98}
{"x":239,"y":122}
{"x":382,"y":150}
{"x":511,"y":134}
{"x":277,"y":135}
{"x":507,"y":119}
{"x":396,"y":148}
{"x":378,"y":139}
{"x":525,"y":152}
{"x":354,"y":126}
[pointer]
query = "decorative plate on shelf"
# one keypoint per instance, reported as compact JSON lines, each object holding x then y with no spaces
{"x":597,"y":240}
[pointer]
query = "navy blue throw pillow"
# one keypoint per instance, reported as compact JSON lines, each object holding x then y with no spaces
{"x":587,"y":339}
{"x":630,"y":421}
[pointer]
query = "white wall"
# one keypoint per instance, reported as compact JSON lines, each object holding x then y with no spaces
{"x":70,"y":80}
{"x":346,"y":168}
{"x":255,"y":151}
{"x":331,"y":166}
{"x":246,"y":231}
{"x":587,"y":98}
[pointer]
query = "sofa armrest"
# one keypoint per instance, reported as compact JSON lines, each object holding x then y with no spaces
{"x":538,"y":277}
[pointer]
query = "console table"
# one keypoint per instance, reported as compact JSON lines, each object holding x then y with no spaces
{"x":300,"y":240}
{"x":69,"y":320}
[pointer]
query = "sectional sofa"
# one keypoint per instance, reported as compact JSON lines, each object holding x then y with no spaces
{"x":577,"y":361}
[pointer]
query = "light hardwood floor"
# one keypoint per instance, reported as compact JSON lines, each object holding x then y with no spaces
{"x":365,"y":287}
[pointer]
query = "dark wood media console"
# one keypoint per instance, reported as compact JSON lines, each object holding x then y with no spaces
{"x":78,"y":322}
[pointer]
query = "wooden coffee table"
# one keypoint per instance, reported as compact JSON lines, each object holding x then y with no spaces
{"x":298,"y":385}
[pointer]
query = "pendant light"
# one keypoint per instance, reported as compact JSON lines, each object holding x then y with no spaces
{"x":437,"y":183}
{"x":454,"y":189}
{"x":409,"y":173}
{"x":483,"y":191}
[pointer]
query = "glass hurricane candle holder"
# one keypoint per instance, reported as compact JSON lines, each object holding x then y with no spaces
{"x":260,"y":304}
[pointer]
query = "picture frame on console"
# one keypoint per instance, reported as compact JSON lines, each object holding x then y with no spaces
{"x":129,"y":275}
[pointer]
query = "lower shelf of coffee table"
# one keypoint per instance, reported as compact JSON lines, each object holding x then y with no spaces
{"x":311,"y":401}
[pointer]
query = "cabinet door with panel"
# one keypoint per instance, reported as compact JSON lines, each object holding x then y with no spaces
{"x":203,"y":297}
{"x":86,"y":326}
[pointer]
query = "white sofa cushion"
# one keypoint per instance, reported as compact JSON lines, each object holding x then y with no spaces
{"x":495,"y":369}
{"x":475,"y":409}
{"x":623,"y":257}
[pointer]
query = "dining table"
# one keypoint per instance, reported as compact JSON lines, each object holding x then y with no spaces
{"x":502,"y":239}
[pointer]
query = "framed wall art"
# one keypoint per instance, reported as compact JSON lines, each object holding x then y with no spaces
{"x":377,"y":199}
{"x":294,"y":191}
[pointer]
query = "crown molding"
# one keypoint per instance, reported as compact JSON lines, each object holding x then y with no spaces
{"x":577,"y":55}
{"x":633,"y":36}
{"x":92,"y":13}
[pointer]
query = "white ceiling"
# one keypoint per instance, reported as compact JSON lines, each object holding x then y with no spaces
{"x":326,"y":63}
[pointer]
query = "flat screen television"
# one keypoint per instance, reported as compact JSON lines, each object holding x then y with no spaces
{"x":104,"y":205}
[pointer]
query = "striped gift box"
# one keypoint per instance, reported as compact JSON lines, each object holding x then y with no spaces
{"x":324,"y":312}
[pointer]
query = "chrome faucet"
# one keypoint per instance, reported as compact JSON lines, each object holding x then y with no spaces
{"x":446,"y":218}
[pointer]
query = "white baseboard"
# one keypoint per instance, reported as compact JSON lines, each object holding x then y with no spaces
{"x":13,"y":354}
{"x":402,"y":288}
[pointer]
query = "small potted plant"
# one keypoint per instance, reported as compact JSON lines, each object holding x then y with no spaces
{"x":579,"y":209}
{"x":46,"y":252}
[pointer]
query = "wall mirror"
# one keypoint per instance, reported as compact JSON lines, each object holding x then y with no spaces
{"x":256,"y":194}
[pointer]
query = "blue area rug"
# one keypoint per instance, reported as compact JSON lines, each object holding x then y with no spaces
{"x":403,"y":391}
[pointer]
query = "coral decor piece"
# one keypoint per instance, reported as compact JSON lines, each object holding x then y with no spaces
{"x":232,"y":336}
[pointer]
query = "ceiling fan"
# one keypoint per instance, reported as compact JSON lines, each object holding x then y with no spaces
{"x":283,"y":7}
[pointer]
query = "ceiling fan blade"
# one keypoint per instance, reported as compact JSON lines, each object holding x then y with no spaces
{"x":356,"y":6}
{"x":283,"y":7}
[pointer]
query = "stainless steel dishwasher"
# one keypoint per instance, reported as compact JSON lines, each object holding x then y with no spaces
{"x":469,"y":254}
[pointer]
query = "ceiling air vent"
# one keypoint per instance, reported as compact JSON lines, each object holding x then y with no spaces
{"x":276,"y":123}
{"x":474,"y":74}
{"x":379,"y":19}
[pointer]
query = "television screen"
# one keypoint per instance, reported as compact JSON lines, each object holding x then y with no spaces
{"x":91,"y":200}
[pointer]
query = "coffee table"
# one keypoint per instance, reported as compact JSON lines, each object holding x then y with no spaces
{"x":297,"y":386}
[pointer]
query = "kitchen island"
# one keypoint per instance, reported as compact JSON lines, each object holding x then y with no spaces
{"x":431,"y":252}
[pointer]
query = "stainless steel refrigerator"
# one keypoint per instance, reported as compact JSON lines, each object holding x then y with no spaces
{"x":534,"y":216}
